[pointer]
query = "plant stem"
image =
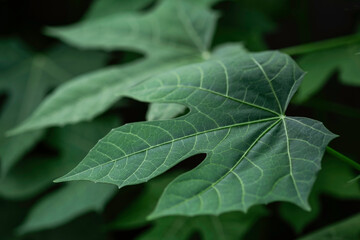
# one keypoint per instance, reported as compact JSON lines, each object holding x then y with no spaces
{"x":343,"y":158}
{"x":322,"y":45}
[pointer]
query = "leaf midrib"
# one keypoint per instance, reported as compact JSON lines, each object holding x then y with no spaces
{"x":167,"y":142}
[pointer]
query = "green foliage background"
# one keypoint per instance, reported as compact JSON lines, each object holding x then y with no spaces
{"x":95,"y":61}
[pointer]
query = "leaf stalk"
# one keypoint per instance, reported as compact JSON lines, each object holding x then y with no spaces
{"x":322,"y":45}
{"x":342,"y":157}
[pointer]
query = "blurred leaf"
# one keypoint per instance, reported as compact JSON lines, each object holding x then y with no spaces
{"x":321,"y":65}
{"x":33,"y":175}
{"x":67,"y":203}
{"x":269,"y":7}
{"x":131,"y":217}
{"x":237,"y":118}
{"x":25,"y":85}
{"x":176,"y":27}
{"x":333,"y":180}
{"x":189,"y":27}
{"x":164,"y":111}
{"x":246,"y":25}
{"x":89,"y":95}
{"x":12,"y":52}
{"x":105,"y":8}
{"x":345,"y":230}
{"x":12,"y":213}
{"x":85,"y":227}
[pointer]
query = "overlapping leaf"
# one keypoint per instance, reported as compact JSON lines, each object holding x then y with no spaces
{"x":321,"y":65}
{"x":91,"y":94}
{"x":179,"y":27}
{"x":255,"y":154}
{"x":104,"y":8}
{"x":175,"y":33}
{"x":64,"y":205}
{"x":347,"y":229}
{"x":25,"y":82}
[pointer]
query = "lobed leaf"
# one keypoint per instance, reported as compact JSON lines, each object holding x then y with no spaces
{"x":91,"y":94}
{"x":175,"y":27}
{"x":237,"y":107}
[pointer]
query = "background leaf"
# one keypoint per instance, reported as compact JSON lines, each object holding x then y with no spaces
{"x":33,"y":175}
{"x":26,"y":83}
{"x":322,"y":64}
{"x":347,"y":230}
{"x":67,"y":203}
{"x":190,"y":38}
{"x":151,"y":33}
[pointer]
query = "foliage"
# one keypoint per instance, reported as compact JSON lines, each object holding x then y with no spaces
{"x":223,"y":102}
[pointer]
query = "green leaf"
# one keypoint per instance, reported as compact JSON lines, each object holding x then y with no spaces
{"x":175,"y":27}
{"x":228,"y":226}
{"x":35,"y":174}
{"x":87,"y":227}
{"x":322,"y":64}
{"x":106,"y":8}
{"x":236,"y":117}
{"x":333,"y":180}
{"x":91,"y":94}
{"x":163,"y":111}
{"x":26,"y":83}
{"x":12,"y":213}
{"x":12,"y":52}
{"x":345,"y":230}
{"x":65,"y":204}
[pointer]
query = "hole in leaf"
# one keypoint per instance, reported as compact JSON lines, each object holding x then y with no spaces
{"x":149,"y":6}
{"x":189,"y":163}
{"x":120,"y":57}
{"x":129,"y":110}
